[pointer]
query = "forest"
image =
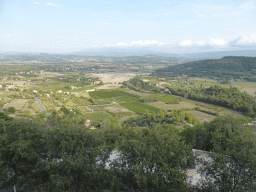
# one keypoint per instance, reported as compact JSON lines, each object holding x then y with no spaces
{"x":226,"y":97}
{"x":56,"y":153}
{"x":229,"y":67}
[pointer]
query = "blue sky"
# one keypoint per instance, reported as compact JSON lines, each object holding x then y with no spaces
{"x":166,"y":25}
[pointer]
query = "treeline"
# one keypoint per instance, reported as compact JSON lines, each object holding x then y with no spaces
{"x":225,"y":97}
{"x":56,"y":154}
{"x":164,"y":120}
{"x":138,"y":85}
{"x":226,"y":67}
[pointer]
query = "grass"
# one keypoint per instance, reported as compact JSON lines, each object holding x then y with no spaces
{"x":96,"y":116}
{"x":169,"y":99}
{"x":201,"y":115}
{"x":140,"y":108}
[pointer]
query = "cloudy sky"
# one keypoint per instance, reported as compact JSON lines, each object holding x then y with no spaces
{"x":174,"y":26}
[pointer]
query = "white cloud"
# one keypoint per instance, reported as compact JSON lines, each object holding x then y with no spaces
{"x":186,"y":42}
{"x":51,"y":4}
{"x":218,"y":42}
{"x":121,"y":44}
{"x":36,"y":3}
{"x":146,"y":43}
{"x":209,"y":43}
{"x":244,"y":41}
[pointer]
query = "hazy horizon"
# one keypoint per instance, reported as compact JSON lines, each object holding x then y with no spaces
{"x":166,"y":26}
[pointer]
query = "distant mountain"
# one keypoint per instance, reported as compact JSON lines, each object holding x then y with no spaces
{"x":229,"y":66}
{"x":219,"y":54}
{"x":121,"y":52}
{"x":142,"y":51}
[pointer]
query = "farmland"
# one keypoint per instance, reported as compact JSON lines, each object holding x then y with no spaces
{"x":96,"y":90}
{"x":140,"y":108}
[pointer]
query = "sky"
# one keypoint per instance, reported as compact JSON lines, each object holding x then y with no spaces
{"x":173,"y":26}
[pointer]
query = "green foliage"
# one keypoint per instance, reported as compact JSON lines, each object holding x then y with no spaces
{"x":61,"y":158}
{"x":26,"y":114}
{"x":65,"y":110}
{"x":138,"y":85}
{"x":5,"y":117}
{"x":203,"y":133}
{"x":233,"y":167}
{"x":226,"y":67}
{"x":101,"y":83}
{"x":11,"y":110}
{"x":161,"y":120}
{"x":168,"y":99}
{"x":225,"y":97}
{"x":152,"y":161}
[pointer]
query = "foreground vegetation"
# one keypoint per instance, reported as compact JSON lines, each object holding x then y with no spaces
{"x":57,"y":154}
{"x":61,"y":123}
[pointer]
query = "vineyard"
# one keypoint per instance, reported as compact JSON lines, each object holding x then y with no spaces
{"x":102,"y":94}
{"x":168,"y":99}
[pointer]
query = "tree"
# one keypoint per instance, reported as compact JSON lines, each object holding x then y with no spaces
{"x":101,"y":83}
{"x":233,"y":166}
{"x":11,"y":110}
{"x":152,"y":161}
{"x":21,"y":152}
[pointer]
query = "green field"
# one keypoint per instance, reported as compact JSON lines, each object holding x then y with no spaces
{"x":102,"y":94}
{"x":140,"y":108}
{"x":127,"y":98}
{"x":168,"y":99}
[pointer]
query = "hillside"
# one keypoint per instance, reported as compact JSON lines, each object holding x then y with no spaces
{"x":226,"y":67}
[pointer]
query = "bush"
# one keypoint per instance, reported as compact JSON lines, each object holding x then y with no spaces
{"x":11,"y":110}
{"x":26,"y":114}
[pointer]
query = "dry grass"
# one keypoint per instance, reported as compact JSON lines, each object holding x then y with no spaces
{"x":201,"y":115}
{"x":18,"y":104}
{"x":138,"y":93}
{"x":114,"y":108}
{"x":182,"y":105}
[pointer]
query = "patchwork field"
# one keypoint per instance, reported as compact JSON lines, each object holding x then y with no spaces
{"x":138,"y":93}
{"x":201,"y":115}
{"x":18,"y":104}
{"x":140,"y":108}
{"x":114,"y":108}
{"x":96,"y":116}
{"x":184,"y":104}
{"x":102,"y":94}
{"x":168,"y":99}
